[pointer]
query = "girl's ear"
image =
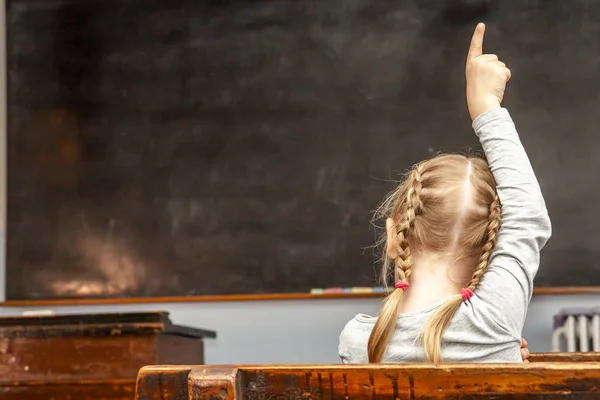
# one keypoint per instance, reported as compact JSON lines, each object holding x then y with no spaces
{"x":392,"y":239}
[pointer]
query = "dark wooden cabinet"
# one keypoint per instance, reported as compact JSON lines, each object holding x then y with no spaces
{"x":96,"y":356}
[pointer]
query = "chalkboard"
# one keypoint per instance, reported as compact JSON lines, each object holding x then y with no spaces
{"x":188,"y":147}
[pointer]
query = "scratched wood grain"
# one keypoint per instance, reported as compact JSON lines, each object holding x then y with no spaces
{"x":55,"y":358}
{"x":565,"y":357}
{"x":533,"y":381}
{"x":100,"y":346}
{"x":163,"y":383}
{"x":89,"y":357}
{"x":110,"y":389}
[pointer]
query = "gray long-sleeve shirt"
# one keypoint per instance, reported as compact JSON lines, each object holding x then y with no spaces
{"x":487,"y":327}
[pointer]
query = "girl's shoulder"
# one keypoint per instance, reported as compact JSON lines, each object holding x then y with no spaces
{"x":360,"y":325}
{"x":354,"y":339}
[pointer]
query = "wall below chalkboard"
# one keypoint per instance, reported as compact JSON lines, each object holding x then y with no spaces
{"x":183,"y":148}
{"x":294,"y":332}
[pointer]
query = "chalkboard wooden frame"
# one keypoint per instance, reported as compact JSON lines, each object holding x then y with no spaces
{"x":252,"y":297}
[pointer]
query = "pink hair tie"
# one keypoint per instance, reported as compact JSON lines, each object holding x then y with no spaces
{"x":401,"y":285}
{"x":466,"y":293}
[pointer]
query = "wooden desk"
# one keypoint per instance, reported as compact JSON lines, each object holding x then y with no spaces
{"x":564,"y":357}
{"x":89,"y":356}
{"x":532,"y":381}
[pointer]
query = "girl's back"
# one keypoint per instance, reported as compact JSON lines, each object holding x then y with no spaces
{"x":472,"y":336}
{"x":449,"y":207}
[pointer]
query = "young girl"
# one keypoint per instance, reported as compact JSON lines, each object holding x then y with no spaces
{"x":464,"y":241}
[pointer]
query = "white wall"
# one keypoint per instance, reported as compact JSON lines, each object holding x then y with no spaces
{"x":302,"y":331}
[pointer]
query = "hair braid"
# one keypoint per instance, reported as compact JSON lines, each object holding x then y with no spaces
{"x":491,"y":237}
{"x":386,"y":323}
{"x":413,"y":208}
{"x":432,"y":335}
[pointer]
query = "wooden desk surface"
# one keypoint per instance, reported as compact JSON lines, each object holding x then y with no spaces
{"x":532,"y":381}
{"x":140,"y":323}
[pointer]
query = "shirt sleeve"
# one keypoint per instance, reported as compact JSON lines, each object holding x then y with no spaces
{"x":507,"y":285}
{"x":353,"y":343}
{"x":344,"y":350}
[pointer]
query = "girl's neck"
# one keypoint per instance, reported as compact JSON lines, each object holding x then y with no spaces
{"x":436,"y":277}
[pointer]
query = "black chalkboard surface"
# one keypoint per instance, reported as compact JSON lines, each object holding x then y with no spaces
{"x":188,"y":147}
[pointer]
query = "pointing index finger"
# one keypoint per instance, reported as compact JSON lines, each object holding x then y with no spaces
{"x":476,"y":48}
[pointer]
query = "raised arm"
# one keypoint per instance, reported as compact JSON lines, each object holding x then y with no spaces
{"x":508,"y":283}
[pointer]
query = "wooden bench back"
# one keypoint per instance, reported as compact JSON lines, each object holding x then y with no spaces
{"x":565,"y":357}
{"x":532,"y":381}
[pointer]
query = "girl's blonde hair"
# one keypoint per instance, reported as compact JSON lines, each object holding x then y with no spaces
{"x":449,"y":205}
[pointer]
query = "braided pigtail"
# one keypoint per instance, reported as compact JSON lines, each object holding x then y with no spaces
{"x":434,"y":330}
{"x":386,"y":323}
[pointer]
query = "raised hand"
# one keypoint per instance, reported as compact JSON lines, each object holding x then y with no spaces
{"x":486,"y":77}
